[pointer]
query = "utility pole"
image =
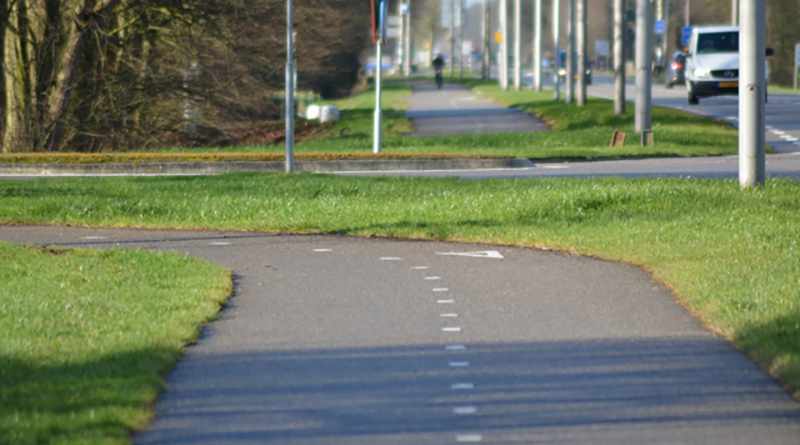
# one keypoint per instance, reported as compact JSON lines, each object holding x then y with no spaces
{"x":582,"y":51}
{"x":485,"y":39}
{"x":461,"y":22}
{"x":452,"y":37}
{"x":752,"y":94}
{"x":644,"y":70}
{"x":734,"y":12}
{"x":687,"y":12}
{"x":619,"y":57}
{"x":537,"y":45}
{"x":377,"y":129}
{"x":517,"y":44}
{"x":571,"y":53}
{"x":289,"y":161}
{"x":408,"y":40}
{"x":557,"y":48}
{"x":504,"y":44}
{"x":665,"y":41}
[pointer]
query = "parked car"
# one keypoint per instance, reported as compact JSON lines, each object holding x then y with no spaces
{"x":562,"y":68}
{"x":676,"y":74}
{"x":712,"y":67}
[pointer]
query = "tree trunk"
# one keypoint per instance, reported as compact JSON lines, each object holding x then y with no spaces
{"x":3,"y":19}
{"x":18,"y":133}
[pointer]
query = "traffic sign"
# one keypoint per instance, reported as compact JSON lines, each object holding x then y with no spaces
{"x":660,"y":27}
{"x":686,"y":35}
{"x":378,"y":10}
{"x":797,"y":53}
{"x":498,"y":37}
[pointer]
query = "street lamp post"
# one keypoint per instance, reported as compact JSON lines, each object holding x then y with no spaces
{"x":557,"y":48}
{"x":537,"y":45}
{"x":289,"y":161}
{"x":619,"y":57}
{"x":752,"y":94}
{"x":644,"y":63}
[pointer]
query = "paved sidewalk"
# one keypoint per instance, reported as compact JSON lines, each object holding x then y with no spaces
{"x":334,"y":340}
{"x":457,"y":110}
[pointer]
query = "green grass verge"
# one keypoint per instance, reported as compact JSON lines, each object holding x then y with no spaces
{"x":87,"y":336}
{"x":732,"y":257}
{"x":781,"y":89}
{"x":577,"y":134}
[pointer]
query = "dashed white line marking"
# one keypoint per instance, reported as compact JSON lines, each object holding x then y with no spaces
{"x":791,"y":139}
{"x":391,"y":258}
{"x":450,"y":301}
{"x":469,"y":438}
{"x":731,"y":118}
{"x":455,"y":348}
{"x":465,"y":410}
{"x":462,"y":386}
{"x":420,"y":268}
{"x":451,"y":329}
{"x":449,"y":315}
{"x":441,"y":289}
{"x":94,"y":238}
{"x":459,"y":364}
{"x":219,"y":244}
{"x":433,"y":278}
{"x":489,"y":254}
{"x":323,"y":250}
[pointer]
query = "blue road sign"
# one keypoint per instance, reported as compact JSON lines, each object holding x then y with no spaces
{"x":686,"y":35}
{"x":661,"y":27}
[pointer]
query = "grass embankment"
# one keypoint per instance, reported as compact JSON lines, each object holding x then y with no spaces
{"x":88,"y":335}
{"x":733,"y":257}
{"x":577,"y":134}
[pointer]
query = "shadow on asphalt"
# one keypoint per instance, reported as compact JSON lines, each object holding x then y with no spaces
{"x":666,"y":388}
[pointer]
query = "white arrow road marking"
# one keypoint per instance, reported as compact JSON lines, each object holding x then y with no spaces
{"x":489,"y":254}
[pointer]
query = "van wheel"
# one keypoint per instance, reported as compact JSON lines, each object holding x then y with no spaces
{"x":693,"y":99}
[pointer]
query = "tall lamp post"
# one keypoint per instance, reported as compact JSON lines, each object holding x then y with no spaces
{"x":289,"y":164}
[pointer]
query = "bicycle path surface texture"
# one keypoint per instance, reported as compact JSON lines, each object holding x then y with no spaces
{"x":334,"y":340}
{"x":457,"y":110}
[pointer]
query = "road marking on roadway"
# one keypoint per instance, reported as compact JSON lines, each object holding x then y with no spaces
{"x":391,"y":258}
{"x":459,"y":364}
{"x":219,"y":244}
{"x":449,"y":315}
{"x":420,"y":268}
{"x":323,"y":250}
{"x":455,"y":348}
{"x":731,"y":118}
{"x":489,"y":254}
{"x":553,"y":166}
{"x":462,"y":386}
{"x":451,"y":329}
{"x":469,"y":438}
{"x":450,"y":301}
{"x":434,"y":278}
{"x":441,"y":289}
{"x":789,"y":138}
{"x":94,"y":238}
{"x":465,"y":410}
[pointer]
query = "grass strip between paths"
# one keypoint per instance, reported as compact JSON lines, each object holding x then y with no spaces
{"x":732,"y":257}
{"x":88,"y":335}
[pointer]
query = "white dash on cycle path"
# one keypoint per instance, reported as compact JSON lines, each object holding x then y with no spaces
{"x":455,"y":348}
{"x":391,"y":258}
{"x":451,"y":301}
{"x":219,"y":244}
{"x":451,"y":329}
{"x":441,"y":289}
{"x":459,"y":364}
{"x":433,"y":278}
{"x":323,"y":250}
{"x":420,"y":268}
{"x":450,"y":315}
{"x":462,"y":386}
{"x":465,"y":410}
{"x":469,"y":438}
{"x":94,"y":238}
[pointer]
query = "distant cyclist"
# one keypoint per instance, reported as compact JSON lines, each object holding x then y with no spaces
{"x":438,"y":67}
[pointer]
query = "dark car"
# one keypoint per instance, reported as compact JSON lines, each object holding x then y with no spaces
{"x":676,"y":75}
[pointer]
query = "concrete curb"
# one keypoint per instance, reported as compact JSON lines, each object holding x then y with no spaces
{"x":220,"y":167}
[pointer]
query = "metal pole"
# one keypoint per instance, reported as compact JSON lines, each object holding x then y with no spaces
{"x":377,"y":130}
{"x":289,"y":161}
{"x":452,"y":37}
{"x":571,"y":52}
{"x":734,"y":12}
{"x":408,"y":40}
{"x":687,"y":12}
{"x":557,"y":48}
{"x":582,"y":53}
{"x":665,"y":41}
{"x":485,"y":46}
{"x":517,"y":44}
{"x":461,"y":22}
{"x":619,"y":57}
{"x":644,"y":71}
{"x":752,"y":94}
{"x":504,"y":44}
{"x":796,"y":64}
{"x":537,"y":45}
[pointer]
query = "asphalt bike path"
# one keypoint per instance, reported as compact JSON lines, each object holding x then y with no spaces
{"x":457,"y":110}
{"x":334,"y":340}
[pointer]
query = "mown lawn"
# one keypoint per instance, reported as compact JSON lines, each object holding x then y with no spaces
{"x":732,"y":257}
{"x":88,"y":335}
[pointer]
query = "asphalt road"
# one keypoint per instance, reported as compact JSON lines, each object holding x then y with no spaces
{"x":333,"y":340}
{"x":455,"y":110}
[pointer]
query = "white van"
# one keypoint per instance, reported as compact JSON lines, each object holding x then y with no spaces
{"x":712,"y":64}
